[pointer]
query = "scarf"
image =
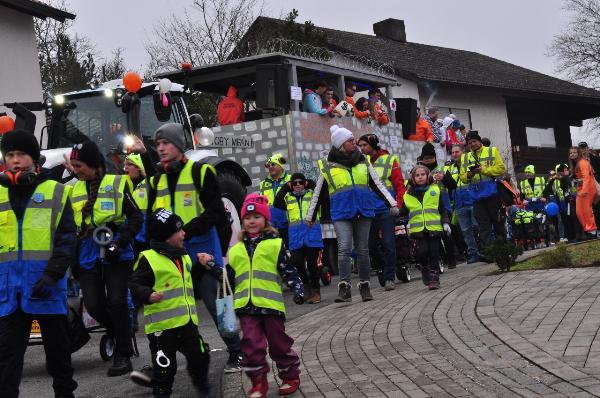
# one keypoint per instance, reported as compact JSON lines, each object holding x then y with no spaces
{"x":166,"y":249}
{"x":349,"y":161}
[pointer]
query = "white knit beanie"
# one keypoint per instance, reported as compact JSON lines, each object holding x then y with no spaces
{"x":339,"y":135}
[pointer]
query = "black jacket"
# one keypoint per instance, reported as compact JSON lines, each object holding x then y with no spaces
{"x":65,"y":238}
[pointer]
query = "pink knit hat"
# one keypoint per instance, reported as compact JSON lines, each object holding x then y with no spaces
{"x":255,"y":203}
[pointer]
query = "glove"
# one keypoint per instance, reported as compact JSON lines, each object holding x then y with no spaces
{"x":112,"y":253}
{"x":395,"y":211}
{"x":298,"y":299}
{"x":43,"y":287}
{"x":447,"y":229}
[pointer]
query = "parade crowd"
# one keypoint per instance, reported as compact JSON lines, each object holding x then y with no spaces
{"x":159,"y":232}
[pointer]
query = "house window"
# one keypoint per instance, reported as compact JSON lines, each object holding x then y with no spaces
{"x":540,"y":137}
{"x":464,"y":115}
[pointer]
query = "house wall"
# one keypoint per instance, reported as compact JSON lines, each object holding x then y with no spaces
{"x":20,"y":79}
{"x":488,"y":113}
{"x":406,"y":89}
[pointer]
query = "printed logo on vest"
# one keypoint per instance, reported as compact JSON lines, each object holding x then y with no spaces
{"x":432,"y":193}
{"x":106,"y":205}
{"x":107,"y":188}
{"x":38,"y":198}
{"x":187,"y":199}
{"x":141,"y":193}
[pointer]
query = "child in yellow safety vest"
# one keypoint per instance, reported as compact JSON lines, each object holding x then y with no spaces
{"x":428,"y":221}
{"x":162,"y":280}
{"x":257,"y":263}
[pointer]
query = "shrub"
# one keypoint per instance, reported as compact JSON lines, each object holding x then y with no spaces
{"x":503,"y":253}
{"x":558,"y":257}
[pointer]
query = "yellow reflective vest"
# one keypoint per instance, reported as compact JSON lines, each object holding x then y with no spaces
{"x":424,"y":215}
{"x":257,"y":281}
{"x":539,"y":183}
{"x":178,"y":305}
{"x":187,"y":204}
{"x":108,"y":206}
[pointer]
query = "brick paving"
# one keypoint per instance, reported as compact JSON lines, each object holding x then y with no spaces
{"x":525,"y":334}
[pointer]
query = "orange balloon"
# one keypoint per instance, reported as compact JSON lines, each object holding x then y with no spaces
{"x":6,"y":124}
{"x":132,"y":82}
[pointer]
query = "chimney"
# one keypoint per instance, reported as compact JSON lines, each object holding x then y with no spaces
{"x":390,"y":29}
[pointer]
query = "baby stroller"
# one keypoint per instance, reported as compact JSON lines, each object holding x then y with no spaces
{"x":403,"y":264}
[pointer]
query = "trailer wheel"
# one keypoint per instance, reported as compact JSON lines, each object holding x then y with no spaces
{"x":107,"y":348}
{"x":403,"y":273}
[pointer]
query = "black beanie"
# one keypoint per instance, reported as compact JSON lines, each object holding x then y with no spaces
{"x":162,"y":224}
{"x":428,"y":150}
{"x":20,"y":140}
{"x":297,"y":176}
{"x":473,"y":135}
{"x":88,"y":153}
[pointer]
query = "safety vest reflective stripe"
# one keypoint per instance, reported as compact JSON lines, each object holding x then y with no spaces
{"x":108,"y":206}
{"x":539,"y":184}
{"x":187,"y":204}
{"x":266,"y":187}
{"x":257,"y":280}
{"x":168,"y":314}
{"x":383,"y":167}
{"x":486,"y":157}
{"x":425,"y":214}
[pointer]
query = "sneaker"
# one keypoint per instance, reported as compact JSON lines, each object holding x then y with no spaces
{"x":142,"y":377}
{"x":433,"y":285}
{"x":260,"y":386}
{"x":315,"y":298}
{"x":121,"y":365}
{"x":289,"y":386}
{"x":365,"y":290}
{"x":344,"y":294}
{"x":234,"y":363}
{"x":390,"y":285}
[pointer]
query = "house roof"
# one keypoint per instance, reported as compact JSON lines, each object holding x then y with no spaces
{"x":37,"y":9}
{"x":417,"y":61}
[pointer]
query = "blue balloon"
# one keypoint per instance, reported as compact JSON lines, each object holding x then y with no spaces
{"x":551,"y":209}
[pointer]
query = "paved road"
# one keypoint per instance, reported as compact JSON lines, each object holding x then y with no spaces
{"x":482,"y":334}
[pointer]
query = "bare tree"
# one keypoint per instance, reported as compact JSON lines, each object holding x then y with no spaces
{"x":113,"y":68}
{"x":576,"y":48}
{"x":207,"y":32}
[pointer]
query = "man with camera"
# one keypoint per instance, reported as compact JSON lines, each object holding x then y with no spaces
{"x":479,"y":168}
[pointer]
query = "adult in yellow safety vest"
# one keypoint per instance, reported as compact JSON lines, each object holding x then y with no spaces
{"x":348,"y":178}
{"x":191,"y":190}
{"x":162,"y":281}
{"x":427,"y":222}
{"x":480,"y":168}
{"x":102,"y":204}
{"x":532,"y":189}
{"x":388,"y":169}
{"x":270,"y":186}
{"x":37,"y":245}
{"x":305,"y":242}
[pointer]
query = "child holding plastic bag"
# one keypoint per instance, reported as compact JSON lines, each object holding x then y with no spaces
{"x":256,"y":265}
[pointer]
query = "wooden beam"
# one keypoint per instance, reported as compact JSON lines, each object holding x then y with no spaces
{"x":293,"y":81}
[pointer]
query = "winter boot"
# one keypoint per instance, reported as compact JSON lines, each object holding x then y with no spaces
{"x":308,"y":292}
{"x":316,"y":296}
{"x":121,"y":365}
{"x":289,"y":386}
{"x":364,"y":288}
{"x":260,"y":386}
{"x":344,"y":294}
{"x":433,"y":285}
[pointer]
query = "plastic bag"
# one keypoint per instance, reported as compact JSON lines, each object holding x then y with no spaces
{"x":227,"y":322}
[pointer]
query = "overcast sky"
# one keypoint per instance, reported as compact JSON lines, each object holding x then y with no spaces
{"x":517,"y":31}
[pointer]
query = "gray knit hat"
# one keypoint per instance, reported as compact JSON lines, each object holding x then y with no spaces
{"x":172,"y":132}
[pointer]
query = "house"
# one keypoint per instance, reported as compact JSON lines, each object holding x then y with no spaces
{"x":526,"y":114}
{"x":20,"y":77}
